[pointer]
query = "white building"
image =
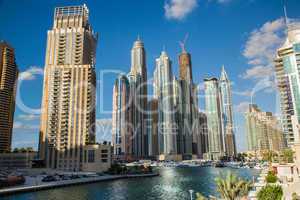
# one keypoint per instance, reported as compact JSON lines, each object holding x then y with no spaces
{"x":163,"y":91}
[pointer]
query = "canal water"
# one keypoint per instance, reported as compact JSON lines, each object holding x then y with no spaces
{"x":172,"y":184}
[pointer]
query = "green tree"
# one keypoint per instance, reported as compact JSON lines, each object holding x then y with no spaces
{"x":200,"y":197}
{"x":268,"y":156}
{"x":288,"y":155}
{"x":231,"y":187}
{"x":295,"y":196}
{"x":270,"y":192}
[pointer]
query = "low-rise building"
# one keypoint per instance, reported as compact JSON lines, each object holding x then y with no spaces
{"x":17,"y":160}
{"x":97,"y":157}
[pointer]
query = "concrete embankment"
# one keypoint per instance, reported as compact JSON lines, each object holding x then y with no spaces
{"x":65,"y":183}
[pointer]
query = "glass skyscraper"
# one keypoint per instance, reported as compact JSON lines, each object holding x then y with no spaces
{"x":213,"y":111}
{"x":121,"y":127}
{"x":138,"y":94}
{"x":227,"y":114}
{"x":163,"y":92}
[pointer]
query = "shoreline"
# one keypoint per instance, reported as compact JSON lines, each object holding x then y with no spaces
{"x":66,"y":183}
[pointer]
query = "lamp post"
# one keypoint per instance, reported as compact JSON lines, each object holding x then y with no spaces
{"x":191,"y":194}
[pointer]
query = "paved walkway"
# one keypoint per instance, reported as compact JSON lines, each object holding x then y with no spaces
{"x":64,"y":183}
{"x":289,"y":189}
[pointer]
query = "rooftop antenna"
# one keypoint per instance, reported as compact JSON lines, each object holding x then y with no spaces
{"x":286,"y":20}
{"x":182,"y":43}
{"x":138,"y":37}
{"x":164,"y":48}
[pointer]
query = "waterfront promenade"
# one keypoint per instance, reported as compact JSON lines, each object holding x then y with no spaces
{"x":64,"y":183}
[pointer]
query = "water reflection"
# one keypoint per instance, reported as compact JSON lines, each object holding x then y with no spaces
{"x":173,"y":184}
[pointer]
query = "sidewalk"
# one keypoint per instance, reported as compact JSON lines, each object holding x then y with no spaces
{"x":56,"y":184}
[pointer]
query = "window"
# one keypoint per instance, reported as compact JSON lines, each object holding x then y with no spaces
{"x":297,"y":47}
{"x":91,"y":156}
{"x":104,"y":151}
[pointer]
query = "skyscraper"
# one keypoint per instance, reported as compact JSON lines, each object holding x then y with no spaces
{"x":288,"y":81}
{"x":213,"y":111}
{"x":163,"y":91}
{"x":227,"y":114}
{"x":138,"y":93}
{"x":186,"y":108}
{"x":68,"y":106}
{"x":121,"y":127}
{"x":8,"y":84}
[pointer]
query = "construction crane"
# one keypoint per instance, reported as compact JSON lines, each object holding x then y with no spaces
{"x":182,"y":43}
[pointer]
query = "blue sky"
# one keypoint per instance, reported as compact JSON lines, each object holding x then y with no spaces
{"x":241,"y":34}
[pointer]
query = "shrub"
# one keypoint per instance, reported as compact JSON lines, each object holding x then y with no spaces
{"x":270,"y":192}
{"x":271,"y":177}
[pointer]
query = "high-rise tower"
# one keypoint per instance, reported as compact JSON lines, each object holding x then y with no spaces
{"x":138,"y":93}
{"x":8,"y":83}
{"x":187,"y":108}
{"x":288,"y":81}
{"x":227,"y":113}
{"x":68,"y":106}
{"x":163,"y":91}
{"x":213,"y":111}
{"x":121,"y":127}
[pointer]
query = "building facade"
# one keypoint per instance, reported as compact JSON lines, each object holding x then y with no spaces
{"x":8,"y":84}
{"x":68,"y":106}
{"x":97,"y":157}
{"x":17,"y":160}
{"x":263,"y":130}
{"x":227,"y":114}
{"x":288,"y":81}
{"x":121,"y":127}
{"x":187,"y":124}
{"x":152,"y":128}
{"x":138,"y":94}
{"x":213,"y":111}
{"x":163,"y":92}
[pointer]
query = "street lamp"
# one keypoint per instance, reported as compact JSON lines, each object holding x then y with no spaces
{"x":191,"y":193}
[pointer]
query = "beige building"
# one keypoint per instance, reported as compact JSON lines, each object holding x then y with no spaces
{"x":68,"y":106}
{"x":17,"y":160}
{"x":8,"y":83}
{"x":97,"y":157}
{"x":263,"y":130}
{"x":288,"y":82}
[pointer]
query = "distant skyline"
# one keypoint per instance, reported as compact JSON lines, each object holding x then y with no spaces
{"x":240,"y":34}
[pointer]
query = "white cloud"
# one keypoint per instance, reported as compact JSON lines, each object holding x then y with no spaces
{"x":179,"y":9}
{"x":260,"y":51}
{"x":30,"y":74}
{"x":220,"y":1}
{"x":28,"y":117}
{"x":258,"y":72}
{"x":25,"y":127}
{"x":262,"y":44}
{"x":246,"y":93}
{"x":242,"y":107}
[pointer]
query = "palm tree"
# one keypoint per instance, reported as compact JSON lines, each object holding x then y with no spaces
{"x":231,"y":187}
{"x":200,"y":197}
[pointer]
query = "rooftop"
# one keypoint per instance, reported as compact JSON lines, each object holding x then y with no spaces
{"x":81,"y":10}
